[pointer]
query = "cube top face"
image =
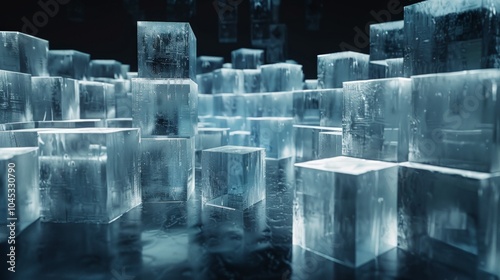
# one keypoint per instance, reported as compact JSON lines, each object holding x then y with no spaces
{"x":9,"y":153}
{"x":282,"y":65}
{"x":55,"y":98}
{"x":88,"y":130}
{"x":229,"y":149}
{"x":443,"y":7}
{"x":247,"y":58}
{"x":343,"y":55}
{"x":320,"y":128}
{"x":69,"y":123}
{"x":387,"y":26}
{"x":105,"y":68}
{"x":450,"y":171}
{"x":68,"y":53}
{"x":166,"y":50}
{"x":248,"y":51}
{"x":346,"y":165}
{"x":16,"y":126}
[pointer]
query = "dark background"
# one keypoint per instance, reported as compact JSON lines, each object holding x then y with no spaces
{"x":106,"y":29}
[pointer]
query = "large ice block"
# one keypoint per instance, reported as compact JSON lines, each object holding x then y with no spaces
{"x":274,"y":134}
{"x":306,"y":107}
{"x":441,"y":37}
{"x":89,"y":175}
{"x":227,"y":81}
{"x":330,"y":144}
{"x":167,"y":172}
{"x":348,"y":207}
{"x":336,"y":68}
{"x":205,"y":105}
{"x":68,"y":64}
{"x":205,"y":82}
{"x":97,"y":100}
{"x":15,"y":98}
{"x":247,"y":58}
{"x":386,"y":40}
{"x":306,"y":140}
{"x":19,"y":190}
{"x":229,"y":104}
{"x":450,"y":215}
{"x":166,"y":50}
{"x":235,"y":175}
{"x":376,"y":119}
{"x":207,"y":138}
{"x":105,"y":68}
{"x":23,"y":53}
{"x":251,"y":80}
{"x":281,"y":77}
{"x":455,"y":120}
{"x":254,"y":104}
{"x":206,"y":64}
{"x":330,"y":107}
{"x":165,"y":107}
{"x":55,"y":98}
{"x":123,"y":96}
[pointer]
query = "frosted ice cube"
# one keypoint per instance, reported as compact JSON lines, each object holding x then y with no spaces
{"x":89,"y":175}
{"x":348,"y":207}
{"x":166,"y":50}
{"x":306,"y":107}
{"x":274,"y":134}
{"x":251,"y":80}
{"x":229,"y":104}
{"x":281,"y":77}
{"x":336,"y":68}
{"x":376,"y":119}
{"x":233,"y":174}
{"x":167,"y":172}
{"x":15,"y":97}
{"x":208,"y":138}
{"x":306,"y":140}
{"x":55,"y":98}
{"x":330,"y":107}
{"x":68,"y":64}
{"x":254,"y":104}
{"x":105,"y":68}
{"x":206,"y":64}
{"x":330,"y":144}
{"x":311,"y":84}
{"x":165,"y":107}
{"x":239,"y":138}
{"x":132,"y":75}
{"x":227,"y":81}
{"x":386,"y":40}
{"x":123,"y":96}
{"x":97,"y":100}
{"x":205,"y":82}
{"x":18,"y":189}
{"x":205,"y":105}
{"x":247,"y":58}
{"x":23,"y":53}
{"x":278,"y":104}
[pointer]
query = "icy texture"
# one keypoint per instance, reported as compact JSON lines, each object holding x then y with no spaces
{"x":388,"y":68}
{"x":273,"y":134}
{"x":378,"y":69}
{"x":206,"y":64}
{"x":23,"y":53}
{"x":123,"y":96}
{"x":55,"y":98}
{"x":386,"y":40}
{"x":20,"y":138}
{"x":166,"y":50}
{"x":306,"y":140}
{"x":165,"y":107}
{"x":269,"y":104}
{"x":239,"y":138}
{"x":118,"y":123}
{"x":205,"y":82}
{"x":70,"y":123}
{"x":89,"y":175}
{"x":205,"y":105}
{"x":455,"y":120}
{"x":15,"y":98}
{"x":306,"y":107}
{"x":233,"y":123}
{"x":348,"y":207}
{"x":311,"y":84}
{"x":247,"y":58}
{"x":208,"y":138}
{"x":97,"y":100}
{"x":68,"y":64}
{"x":105,"y":68}
{"x":227,"y":81}
{"x":376,"y":119}
{"x":281,"y":77}
{"x":229,"y":105}
{"x":16,"y":126}
{"x":336,"y":68}
{"x":251,"y":80}
{"x":449,"y":215}
{"x":330,"y":107}
{"x":440,"y":37}
{"x":167,"y":172}
{"x":233,"y":174}
{"x":330,"y":144}
{"x":20,"y":173}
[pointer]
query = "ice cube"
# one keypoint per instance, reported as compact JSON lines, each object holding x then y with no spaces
{"x":205,"y":105}
{"x":376,"y":119}
{"x":166,"y":50}
{"x":251,"y":80}
{"x":247,"y":58}
{"x":16,"y":126}
{"x":97,"y":100}
{"x":70,"y":123}
{"x":281,"y":77}
{"x":206,"y":64}
{"x":208,"y":138}
{"x":205,"y":82}
{"x":165,"y":107}
{"x":330,"y":144}
{"x":306,"y":107}
{"x":229,"y":104}
{"x":336,"y":68}
{"x":274,"y":134}
{"x":55,"y":98}
{"x":105,"y":68}
{"x":227,"y":81}
{"x":118,"y":123}
{"x":68,"y":64}
{"x":386,"y":40}
{"x":330,"y":107}
{"x":311,"y":84}
{"x":306,"y":140}
{"x":23,"y":53}
{"x":278,"y":104}
{"x":15,"y":98}
{"x":167,"y":172}
{"x":349,"y":208}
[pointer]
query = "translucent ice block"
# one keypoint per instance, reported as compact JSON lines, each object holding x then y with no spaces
{"x":16,"y":126}
{"x":330,"y":107}
{"x":273,"y":134}
{"x":15,"y":98}
{"x":281,"y":77}
{"x":229,"y":104}
{"x":167,"y":172}
{"x":233,"y":174}
{"x":227,"y":81}
{"x":205,"y":82}
{"x":19,"y":138}
{"x":105,"y":68}
{"x":68,"y":64}
{"x":311,"y":84}
{"x":330,"y":144}
{"x":166,"y":50}
{"x":251,"y":80}
{"x":239,"y":138}
{"x":306,"y":107}
{"x":386,"y":40}
{"x":450,"y":215}
{"x":227,"y":65}
{"x":454,"y":120}
{"x":306,"y":140}
{"x":97,"y":100}
{"x":388,"y":68}
{"x":123,"y":97}
{"x":376,"y":119}
{"x":207,"y":138}
{"x":247,"y":58}
{"x":19,"y":190}
{"x":440,"y":37}
{"x":336,"y":68}
{"x":55,"y":98}
{"x":165,"y":107}
{"x":23,"y":53}
{"x":205,"y":105}
{"x":349,"y":208}
{"x":277,"y":104}
{"x":206,"y":64}
{"x":89,"y":175}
